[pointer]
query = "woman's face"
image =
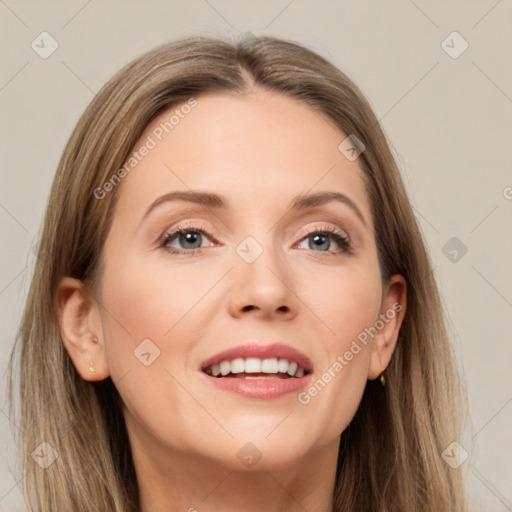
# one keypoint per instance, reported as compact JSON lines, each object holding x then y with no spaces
{"x":252,"y":268}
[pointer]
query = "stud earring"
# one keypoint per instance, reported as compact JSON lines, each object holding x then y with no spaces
{"x":91,"y":367}
{"x":382,"y":379}
{"x":95,"y":339}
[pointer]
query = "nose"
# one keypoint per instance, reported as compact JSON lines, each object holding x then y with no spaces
{"x":263,"y":289}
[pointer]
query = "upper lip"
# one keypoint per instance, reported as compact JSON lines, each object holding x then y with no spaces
{"x":262,"y":351}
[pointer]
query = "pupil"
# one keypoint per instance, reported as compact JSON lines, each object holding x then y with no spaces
{"x":316,"y":238}
{"x":191,"y":237}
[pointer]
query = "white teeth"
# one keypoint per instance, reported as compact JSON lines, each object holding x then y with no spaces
{"x":271,"y":365}
{"x":252,"y":365}
{"x":283,"y":365}
{"x":292,"y":368}
{"x":225,"y":367}
{"x":237,"y":365}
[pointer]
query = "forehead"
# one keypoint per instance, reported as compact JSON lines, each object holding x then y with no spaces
{"x":256,"y":150}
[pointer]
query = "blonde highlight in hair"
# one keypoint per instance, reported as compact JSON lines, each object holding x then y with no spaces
{"x":390,"y":454}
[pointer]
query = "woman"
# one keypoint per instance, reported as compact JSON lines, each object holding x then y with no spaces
{"x":294,"y":356}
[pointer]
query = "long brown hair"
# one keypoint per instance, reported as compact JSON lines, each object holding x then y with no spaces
{"x":390,"y":454}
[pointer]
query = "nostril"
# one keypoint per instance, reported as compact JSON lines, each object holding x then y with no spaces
{"x":284,"y":309}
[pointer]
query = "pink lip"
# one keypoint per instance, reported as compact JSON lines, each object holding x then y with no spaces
{"x":259,"y":388}
{"x":252,"y":349}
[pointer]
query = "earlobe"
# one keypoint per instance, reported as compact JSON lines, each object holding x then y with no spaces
{"x":388,"y":324}
{"x":80,"y":329}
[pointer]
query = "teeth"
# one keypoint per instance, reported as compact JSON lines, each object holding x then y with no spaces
{"x":237,"y":366}
{"x":292,"y":368}
{"x":269,"y":366}
{"x":252,"y":365}
{"x":225,"y":367}
{"x":255,"y":365}
{"x":282,"y":365}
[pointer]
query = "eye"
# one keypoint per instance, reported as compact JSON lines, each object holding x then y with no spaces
{"x":322,"y":240}
{"x":190,"y":238}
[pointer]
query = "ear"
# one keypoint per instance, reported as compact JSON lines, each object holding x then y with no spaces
{"x":81,"y":330}
{"x":394,"y":302}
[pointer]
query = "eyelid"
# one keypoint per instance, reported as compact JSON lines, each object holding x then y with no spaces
{"x":325,"y":227}
{"x":192,"y":225}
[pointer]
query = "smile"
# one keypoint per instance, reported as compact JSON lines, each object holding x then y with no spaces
{"x":259,"y":370}
{"x":256,"y":368}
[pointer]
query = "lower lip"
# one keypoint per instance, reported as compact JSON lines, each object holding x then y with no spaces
{"x":260,"y":388}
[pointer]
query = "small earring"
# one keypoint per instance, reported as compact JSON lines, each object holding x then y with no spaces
{"x":382,"y":379}
{"x":91,"y":367}
{"x":95,"y":339}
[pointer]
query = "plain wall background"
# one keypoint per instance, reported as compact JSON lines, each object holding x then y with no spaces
{"x":449,"y":121}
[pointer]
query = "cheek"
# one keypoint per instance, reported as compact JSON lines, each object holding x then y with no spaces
{"x":346,"y":301}
{"x":141,"y":303}
{"x":148,"y":300}
{"x":156,"y":302}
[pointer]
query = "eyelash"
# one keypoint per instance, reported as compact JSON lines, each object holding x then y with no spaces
{"x":342,"y":240}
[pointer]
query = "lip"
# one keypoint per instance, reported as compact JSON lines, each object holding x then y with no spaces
{"x":262,"y":351}
{"x":260,"y":388}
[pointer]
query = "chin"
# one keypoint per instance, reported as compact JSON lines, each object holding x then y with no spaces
{"x":257,"y":454}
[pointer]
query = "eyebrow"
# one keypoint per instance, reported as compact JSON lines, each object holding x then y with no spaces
{"x":216,"y":201}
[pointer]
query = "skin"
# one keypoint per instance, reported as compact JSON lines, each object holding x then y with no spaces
{"x":258,"y":151}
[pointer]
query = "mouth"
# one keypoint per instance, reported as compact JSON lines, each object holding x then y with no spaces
{"x":259,"y":371}
{"x":256,"y":368}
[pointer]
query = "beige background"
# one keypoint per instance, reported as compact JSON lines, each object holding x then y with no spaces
{"x":449,"y":120}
